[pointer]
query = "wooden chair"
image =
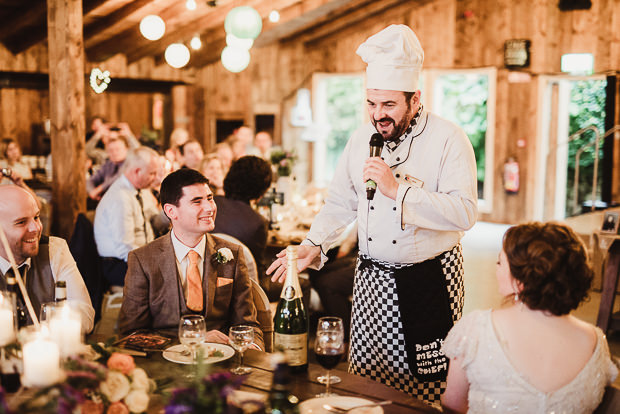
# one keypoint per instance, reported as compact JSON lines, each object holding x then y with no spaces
{"x":611,"y":401}
{"x":264,"y":316}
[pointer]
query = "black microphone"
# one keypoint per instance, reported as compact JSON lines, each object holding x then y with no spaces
{"x":376,"y":145}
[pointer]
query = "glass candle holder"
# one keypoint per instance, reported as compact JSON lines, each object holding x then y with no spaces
{"x":41,"y":359}
{"x":8,"y":317}
{"x":65,"y":329}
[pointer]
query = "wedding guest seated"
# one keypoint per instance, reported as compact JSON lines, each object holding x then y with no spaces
{"x":102,"y":179}
{"x":11,"y":157}
{"x":531,"y":355}
{"x":178,"y":137}
{"x":212,"y":168}
{"x":225,"y":154}
{"x":263,"y":145}
{"x":41,"y":260}
{"x":121,"y":221}
{"x":179,"y":273}
{"x":96,"y":146}
{"x":247,"y":180}
{"x":192,"y":154}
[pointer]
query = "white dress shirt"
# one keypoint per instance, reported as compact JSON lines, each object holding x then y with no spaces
{"x":436,"y":200}
{"x":181,"y":251}
{"x":64,"y":268}
{"x":120,"y":222}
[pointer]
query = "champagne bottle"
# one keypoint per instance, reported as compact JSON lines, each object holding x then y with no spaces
{"x":60,"y":292}
{"x":12,"y":287}
{"x":291,"y":320}
{"x":281,"y":401}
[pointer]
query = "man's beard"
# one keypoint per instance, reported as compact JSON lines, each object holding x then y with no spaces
{"x":398,"y":129}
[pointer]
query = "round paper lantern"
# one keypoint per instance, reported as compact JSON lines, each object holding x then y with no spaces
{"x":235,"y":59}
{"x":177,"y":55}
{"x":152,"y":27}
{"x":195,"y":43}
{"x":234,"y":41}
{"x":243,"y":22}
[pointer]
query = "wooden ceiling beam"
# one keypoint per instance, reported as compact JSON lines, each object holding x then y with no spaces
{"x":350,"y":19}
{"x":117,"y":17}
{"x":300,"y":17}
{"x":23,"y":18}
{"x":292,"y":18}
{"x":127,"y":36}
{"x":210,"y":21}
{"x":28,"y":36}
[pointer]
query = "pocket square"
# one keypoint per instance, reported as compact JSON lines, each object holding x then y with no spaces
{"x":223,"y":281}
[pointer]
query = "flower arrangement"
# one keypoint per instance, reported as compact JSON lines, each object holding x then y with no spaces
{"x":118,"y":387}
{"x":224,"y":255}
{"x":283,"y":161}
{"x":206,"y":395}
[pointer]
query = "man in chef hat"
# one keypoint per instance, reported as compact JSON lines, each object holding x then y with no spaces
{"x":409,"y":279}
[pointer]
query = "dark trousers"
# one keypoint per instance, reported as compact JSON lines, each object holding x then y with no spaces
{"x":334,"y":284}
{"x":114,"y":270}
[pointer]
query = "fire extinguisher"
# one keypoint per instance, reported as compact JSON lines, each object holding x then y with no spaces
{"x":511,"y":176}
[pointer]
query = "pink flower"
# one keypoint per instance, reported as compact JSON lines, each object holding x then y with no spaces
{"x":121,"y":363}
{"x":118,"y":408}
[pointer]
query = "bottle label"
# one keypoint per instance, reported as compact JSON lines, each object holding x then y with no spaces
{"x":295,"y":347}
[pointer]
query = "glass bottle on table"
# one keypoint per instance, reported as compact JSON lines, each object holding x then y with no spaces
{"x":280,"y":400}
{"x":12,"y":287}
{"x":291,"y":320}
{"x":60,"y":292}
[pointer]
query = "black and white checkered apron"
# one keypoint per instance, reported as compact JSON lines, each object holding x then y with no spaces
{"x":377,"y":340}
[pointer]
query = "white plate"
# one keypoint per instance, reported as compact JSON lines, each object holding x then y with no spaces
{"x":173,"y":354}
{"x":315,"y":405}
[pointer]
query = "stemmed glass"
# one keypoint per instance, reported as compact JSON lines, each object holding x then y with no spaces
{"x":241,"y":336}
{"x":329,"y":347}
{"x":192,"y":332}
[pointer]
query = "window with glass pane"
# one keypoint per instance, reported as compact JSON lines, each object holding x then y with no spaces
{"x":462,"y":99}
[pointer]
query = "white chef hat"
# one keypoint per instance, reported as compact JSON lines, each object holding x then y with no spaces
{"x":394,"y":57}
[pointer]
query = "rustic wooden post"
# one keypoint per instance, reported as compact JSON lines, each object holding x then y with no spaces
{"x":66,"y":75}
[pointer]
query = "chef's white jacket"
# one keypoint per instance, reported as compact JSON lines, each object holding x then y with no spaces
{"x":436,"y":202}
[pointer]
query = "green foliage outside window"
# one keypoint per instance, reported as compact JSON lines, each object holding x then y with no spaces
{"x":344,"y":112}
{"x":586,"y":107}
{"x":464,"y":102}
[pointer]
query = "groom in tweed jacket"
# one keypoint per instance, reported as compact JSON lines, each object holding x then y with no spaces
{"x":159,"y":282}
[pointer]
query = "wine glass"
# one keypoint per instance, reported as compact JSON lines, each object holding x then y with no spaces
{"x":329,"y":347}
{"x":241,"y":336}
{"x":192,"y":332}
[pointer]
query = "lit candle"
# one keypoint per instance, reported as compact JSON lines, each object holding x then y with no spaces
{"x":66,"y":331}
{"x":41,"y":363}
{"x":7,"y":327}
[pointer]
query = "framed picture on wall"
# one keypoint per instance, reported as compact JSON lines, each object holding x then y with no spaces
{"x":610,"y":223}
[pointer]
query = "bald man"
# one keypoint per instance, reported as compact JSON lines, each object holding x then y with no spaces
{"x":40,"y":259}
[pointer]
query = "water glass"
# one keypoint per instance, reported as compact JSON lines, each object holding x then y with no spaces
{"x":241,"y":336}
{"x":192,"y":332}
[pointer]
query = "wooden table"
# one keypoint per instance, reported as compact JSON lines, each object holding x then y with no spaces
{"x":304,"y":385}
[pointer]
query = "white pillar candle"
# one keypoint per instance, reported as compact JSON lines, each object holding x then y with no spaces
{"x":41,"y":363}
{"x":7,"y":327}
{"x":66,"y":331}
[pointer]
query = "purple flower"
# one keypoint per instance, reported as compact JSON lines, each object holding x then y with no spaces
{"x":178,"y":409}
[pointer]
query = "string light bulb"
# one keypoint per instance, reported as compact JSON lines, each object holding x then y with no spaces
{"x":274,"y":16}
{"x":177,"y":55}
{"x":190,"y":4}
{"x":195,"y":43}
{"x":152,"y":27}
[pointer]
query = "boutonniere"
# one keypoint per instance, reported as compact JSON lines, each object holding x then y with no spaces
{"x":223,"y":255}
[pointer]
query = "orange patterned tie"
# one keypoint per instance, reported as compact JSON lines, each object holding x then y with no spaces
{"x":194,"y":283}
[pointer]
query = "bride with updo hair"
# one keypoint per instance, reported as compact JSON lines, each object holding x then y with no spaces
{"x":531,"y":355}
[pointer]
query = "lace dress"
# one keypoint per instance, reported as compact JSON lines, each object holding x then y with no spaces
{"x":496,"y":387}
